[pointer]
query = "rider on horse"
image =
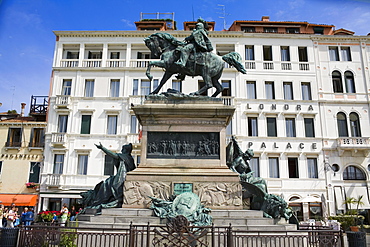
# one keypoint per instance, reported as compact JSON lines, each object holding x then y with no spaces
{"x":197,"y":41}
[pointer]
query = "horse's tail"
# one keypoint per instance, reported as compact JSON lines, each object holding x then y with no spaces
{"x":234,"y":59}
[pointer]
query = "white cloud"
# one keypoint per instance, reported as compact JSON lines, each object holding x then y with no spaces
{"x":127,"y":23}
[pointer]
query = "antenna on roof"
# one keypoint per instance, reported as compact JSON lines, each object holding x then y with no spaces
{"x":223,"y":13}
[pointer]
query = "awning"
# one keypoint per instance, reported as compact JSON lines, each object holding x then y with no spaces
{"x":307,"y":199}
{"x":339,"y":198}
{"x":18,"y":199}
{"x":355,"y":192}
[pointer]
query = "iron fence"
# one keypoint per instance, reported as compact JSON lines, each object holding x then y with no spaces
{"x":172,"y":235}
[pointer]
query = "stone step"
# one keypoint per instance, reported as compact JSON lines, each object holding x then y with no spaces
{"x":237,"y":213}
{"x":127,"y":212}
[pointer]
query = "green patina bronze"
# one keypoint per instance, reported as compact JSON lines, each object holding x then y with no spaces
{"x":193,"y":57}
{"x":255,"y":188}
{"x":186,"y":204}
{"x":109,"y":193}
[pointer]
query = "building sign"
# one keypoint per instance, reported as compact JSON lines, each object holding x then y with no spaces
{"x":179,"y":188}
{"x":183,"y":145}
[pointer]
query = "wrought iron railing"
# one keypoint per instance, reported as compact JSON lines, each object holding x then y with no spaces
{"x":173,"y":235}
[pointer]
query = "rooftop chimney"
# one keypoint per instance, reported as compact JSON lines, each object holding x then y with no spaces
{"x":23,"y":105}
{"x":265,"y":18}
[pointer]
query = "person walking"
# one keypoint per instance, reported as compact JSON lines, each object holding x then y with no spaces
{"x":64,"y":217}
{"x":28,"y":218}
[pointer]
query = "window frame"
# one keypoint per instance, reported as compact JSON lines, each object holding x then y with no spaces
{"x":82,"y":165}
{"x":112,"y":126}
{"x":274,"y":170}
{"x":272,"y":124}
{"x":89,"y":88}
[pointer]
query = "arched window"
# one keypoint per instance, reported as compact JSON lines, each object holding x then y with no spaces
{"x":355,"y":125}
{"x":337,"y":82}
{"x":353,"y":173}
{"x":342,"y":125}
{"x":350,"y":82}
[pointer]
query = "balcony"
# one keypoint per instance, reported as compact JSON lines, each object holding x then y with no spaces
{"x":228,"y":100}
{"x":250,"y":65}
{"x":268,"y":65}
{"x":92,"y":63}
{"x":140,"y":63}
{"x":353,"y":144}
{"x":53,"y":180}
{"x":116,"y":63}
{"x":36,"y":144}
{"x":62,"y":101}
{"x":304,"y":66}
{"x":286,"y":66}
{"x":69,"y":63}
{"x":58,"y":139}
{"x":13,"y":145}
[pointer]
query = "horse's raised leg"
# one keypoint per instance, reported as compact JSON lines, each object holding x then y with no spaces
{"x":164,"y":79}
{"x":150,"y":65}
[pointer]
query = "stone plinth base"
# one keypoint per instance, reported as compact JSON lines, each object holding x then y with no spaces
{"x":183,"y":149}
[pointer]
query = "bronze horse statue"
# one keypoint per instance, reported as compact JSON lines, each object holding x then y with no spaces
{"x":205,"y":64}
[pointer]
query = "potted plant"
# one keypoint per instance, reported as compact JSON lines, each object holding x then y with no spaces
{"x":354,"y":212}
{"x":32,"y":185}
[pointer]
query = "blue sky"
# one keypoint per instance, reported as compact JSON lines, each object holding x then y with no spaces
{"x":27,"y":41}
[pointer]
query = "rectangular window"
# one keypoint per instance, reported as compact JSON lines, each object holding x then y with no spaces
{"x":112,"y":125}
{"x":309,"y":127}
{"x":62,"y":123}
{"x":270,"y":90}
{"x":251,"y":90}
{"x":134,"y":125}
{"x":288,"y":90}
{"x":82,"y":164}
{"x":72,"y":54}
{"x":285,"y":54}
{"x":66,"y":88}
{"x":229,"y":129}
{"x":254,"y":163}
{"x":114,"y":88}
{"x":85,"y":124}
{"x":14,"y":137}
{"x":290,"y":127}
{"x":271,"y":127}
{"x":267,"y":53}
{"x":58,"y":164}
{"x":135,"y":87}
{"x":227,"y":88}
{"x":345,"y":53}
{"x":177,"y":85}
{"x":274,"y":168}
{"x":37,"y":137}
{"x":293,"y":167}
{"x":302,"y":54}
{"x":89,"y":88}
{"x":95,"y":55}
{"x":312,"y":168}
{"x":114,"y":55}
{"x":306,"y":91}
{"x":248,"y":29}
{"x":34,"y":176}
{"x":292,"y":30}
{"x":145,"y":87}
{"x":270,"y":29}
{"x":249,"y":52}
{"x":108,"y":165}
{"x":333,"y":54}
{"x":252,"y":126}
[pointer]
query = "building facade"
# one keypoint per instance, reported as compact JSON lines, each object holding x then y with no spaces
{"x":21,"y":157}
{"x":303,"y":107}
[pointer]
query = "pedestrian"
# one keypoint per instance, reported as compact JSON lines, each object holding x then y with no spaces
{"x":1,"y":214}
{"x":11,"y":217}
{"x":28,"y":218}
{"x":73,"y":213}
{"x":64,"y":217}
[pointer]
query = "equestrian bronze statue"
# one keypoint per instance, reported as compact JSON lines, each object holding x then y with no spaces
{"x":192,"y":57}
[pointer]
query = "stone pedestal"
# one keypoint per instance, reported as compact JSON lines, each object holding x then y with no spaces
{"x":183,"y":149}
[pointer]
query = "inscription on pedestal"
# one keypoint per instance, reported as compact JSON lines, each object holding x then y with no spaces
{"x":183,"y":145}
{"x":179,"y":188}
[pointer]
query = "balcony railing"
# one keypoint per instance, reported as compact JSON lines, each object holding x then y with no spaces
{"x":58,"y":138}
{"x":13,"y":144}
{"x":53,"y":180}
{"x":250,"y":65}
{"x":62,"y":100}
{"x":114,"y":63}
{"x":36,"y":144}
{"x":92,"y":63}
{"x":267,"y":65}
{"x":354,"y":142}
{"x":137,"y":99}
{"x":133,"y":138}
{"x":227,"y":100}
{"x":286,"y":66}
{"x":69,"y":63}
{"x":304,"y":66}
{"x":140,"y":63}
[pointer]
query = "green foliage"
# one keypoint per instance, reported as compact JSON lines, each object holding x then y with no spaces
{"x":12,"y":111}
{"x":67,"y":239}
{"x":347,"y":220}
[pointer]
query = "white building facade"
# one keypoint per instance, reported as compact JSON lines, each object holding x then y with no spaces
{"x":303,"y":107}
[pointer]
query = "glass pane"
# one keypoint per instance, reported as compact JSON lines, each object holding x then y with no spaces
{"x":58,"y":164}
{"x":288,"y":91}
{"x":285,"y":56}
{"x":114,"y":88}
{"x":252,"y":126}
{"x":312,"y":168}
{"x":66,"y":90}
{"x":145,"y":87}
{"x":82,"y":164}
{"x":85,"y":124}
{"x":89,"y":88}
{"x":273,"y":167}
{"x":271,"y":127}
{"x":135,"y":87}
{"x":249,"y":52}
{"x":133,"y":129}
{"x":62,"y":123}
{"x":251,"y":90}
{"x":309,"y":127}
{"x":112,"y":125}
{"x":254,"y":164}
{"x":270,"y":91}
{"x":290,"y":127}
{"x":342,"y":125}
{"x":306,"y":91}
{"x":355,"y":125}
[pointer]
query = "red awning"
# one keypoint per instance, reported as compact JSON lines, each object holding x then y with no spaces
{"x":18,"y":199}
